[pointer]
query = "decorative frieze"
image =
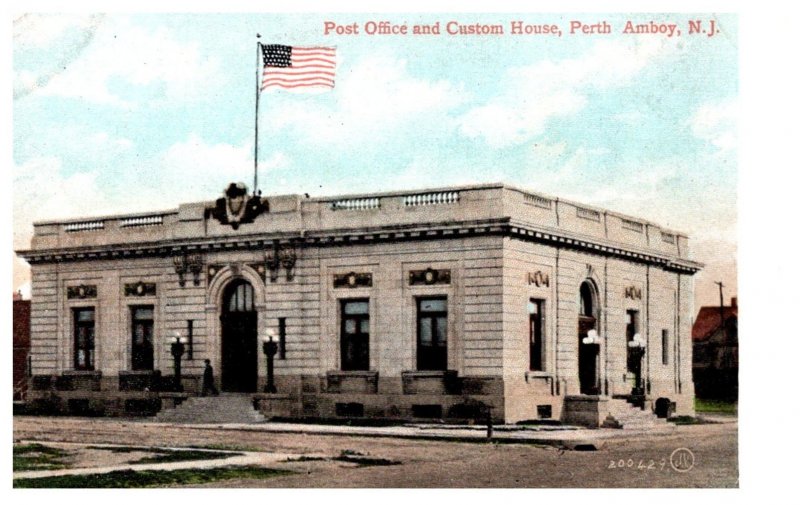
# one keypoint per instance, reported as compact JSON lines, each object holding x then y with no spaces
{"x":633,"y":293}
{"x":428,"y":276}
{"x":140,"y":289}
{"x":538,"y":279}
{"x":352,"y":280}
{"x":82,"y":291}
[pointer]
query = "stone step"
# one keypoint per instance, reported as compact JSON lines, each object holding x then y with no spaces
{"x":222,"y":409}
{"x":624,"y":415}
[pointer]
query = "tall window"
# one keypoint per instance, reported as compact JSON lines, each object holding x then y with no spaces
{"x":665,"y":347}
{"x":587,"y":308}
{"x":355,"y":334}
{"x":536,"y":316}
{"x":631,"y":329}
{"x":432,"y":334}
{"x":241,"y":299}
{"x":142,"y":338}
{"x":83,"y":320}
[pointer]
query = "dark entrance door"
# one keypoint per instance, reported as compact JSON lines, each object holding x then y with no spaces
{"x":588,"y":355}
{"x":239,"y":339}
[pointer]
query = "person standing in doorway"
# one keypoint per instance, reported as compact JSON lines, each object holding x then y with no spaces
{"x":208,"y":380}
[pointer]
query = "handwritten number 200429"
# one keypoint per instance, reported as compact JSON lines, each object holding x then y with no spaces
{"x":641,"y":465}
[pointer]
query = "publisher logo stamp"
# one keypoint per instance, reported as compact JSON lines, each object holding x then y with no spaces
{"x":681,"y":459}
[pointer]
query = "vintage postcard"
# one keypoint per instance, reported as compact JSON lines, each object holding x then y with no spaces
{"x":388,"y":250}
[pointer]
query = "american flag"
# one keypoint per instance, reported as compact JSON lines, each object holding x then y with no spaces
{"x":294,"y":67}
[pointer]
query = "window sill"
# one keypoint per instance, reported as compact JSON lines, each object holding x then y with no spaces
{"x":535,"y":374}
{"x":428,"y":373}
{"x":351,"y":373}
{"x":82,"y":373}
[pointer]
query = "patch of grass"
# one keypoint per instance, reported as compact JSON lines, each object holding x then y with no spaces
{"x":229,"y":447}
{"x":30,"y":457}
{"x":715,"y":406}
{"x":122,"y":449}
{"x":686,"y":420}
{"x":166,"y":455}
{"x":303,"y":458}
{"x":362,"y":459}
{"x":187,"y":455}
{"x":151,"y":478}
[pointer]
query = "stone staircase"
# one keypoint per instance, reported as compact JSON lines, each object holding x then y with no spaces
{"x":227,"y":408}
{"x":624,"y":415}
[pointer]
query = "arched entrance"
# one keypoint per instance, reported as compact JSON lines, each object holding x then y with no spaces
{"x":588,"y":353}
{"x":239,"y":338}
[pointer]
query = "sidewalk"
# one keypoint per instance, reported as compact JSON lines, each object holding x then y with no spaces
{"x":566,"y":437}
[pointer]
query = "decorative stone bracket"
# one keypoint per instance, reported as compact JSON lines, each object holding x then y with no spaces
{"x":281,"y":256}
{"x":188,"y":263}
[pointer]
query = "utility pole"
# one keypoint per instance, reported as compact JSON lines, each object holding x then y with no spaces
{"x":721,"y":308}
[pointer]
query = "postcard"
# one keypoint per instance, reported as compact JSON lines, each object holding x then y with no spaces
{"x":375,"y":250}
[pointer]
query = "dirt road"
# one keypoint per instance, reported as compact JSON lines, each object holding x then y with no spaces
{"x":712,"y":459}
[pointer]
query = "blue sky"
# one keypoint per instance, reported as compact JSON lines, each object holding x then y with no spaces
{"x":122,"y":113}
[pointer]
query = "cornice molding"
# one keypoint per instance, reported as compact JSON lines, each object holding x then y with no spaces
{"x":337,"y":238}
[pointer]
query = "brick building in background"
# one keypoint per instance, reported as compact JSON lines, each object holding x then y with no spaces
{"x":715,"y":342}
{"x":22,"y":344}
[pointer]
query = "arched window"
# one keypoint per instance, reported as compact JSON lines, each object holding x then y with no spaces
{"x":587,"y":300}
{"x":240,"y":297}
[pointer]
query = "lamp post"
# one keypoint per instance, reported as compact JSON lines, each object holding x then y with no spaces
{"x":270,"y":349}
{"x":177,"y":347}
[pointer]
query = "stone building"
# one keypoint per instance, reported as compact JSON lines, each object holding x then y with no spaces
{"x":440,"y":303}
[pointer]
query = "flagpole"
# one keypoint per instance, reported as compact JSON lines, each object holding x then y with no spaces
{"x":258,"y":94}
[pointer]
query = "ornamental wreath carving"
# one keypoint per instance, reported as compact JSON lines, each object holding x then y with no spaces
{"x":236,"y":207}
{"x":352,"y":280}
{"x":140,"y":289}
{"x":633,"y":293}
{"x":82,"y":291}
{"x":538,"y":279}
{"x":429,"y":276}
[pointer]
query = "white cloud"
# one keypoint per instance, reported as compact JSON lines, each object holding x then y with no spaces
{"x":43,"y":192}
{"x":41,"y":30}
{"x":377,"y":96}
{"x":716,"y":123}
{"x":536,"y":93}
{"x":177,"y":71}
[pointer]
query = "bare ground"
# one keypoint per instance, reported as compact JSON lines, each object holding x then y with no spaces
{"x":645,"y":461}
